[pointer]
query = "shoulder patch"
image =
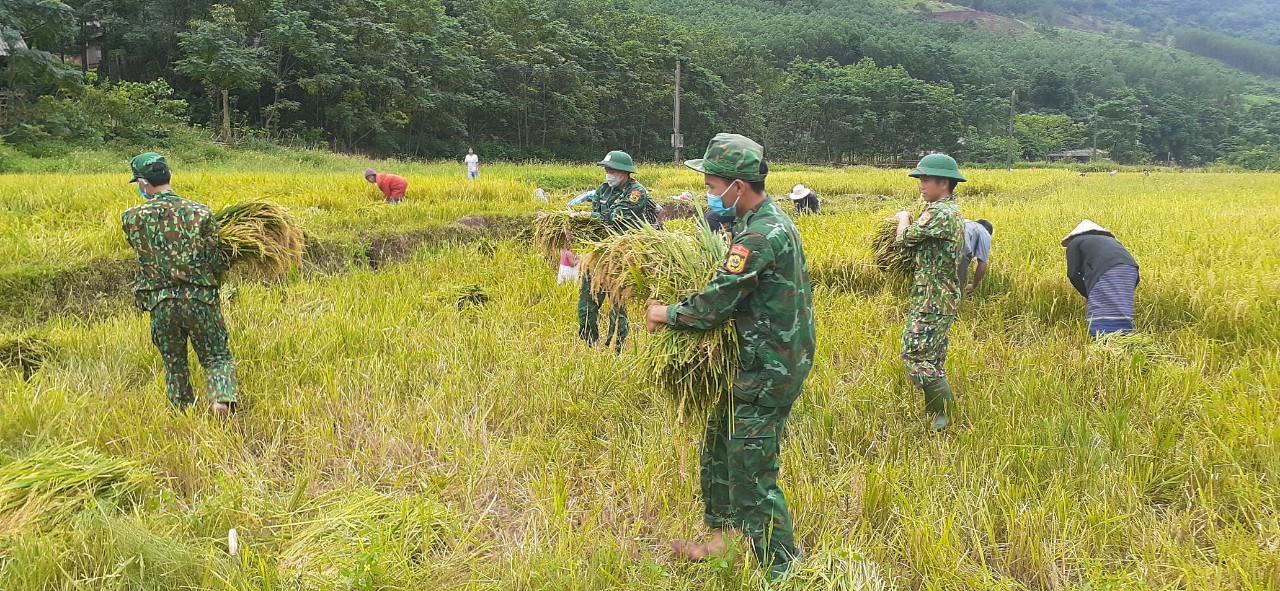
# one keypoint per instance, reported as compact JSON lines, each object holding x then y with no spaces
{"x":635,"y":196}
{"x":737,"y":261}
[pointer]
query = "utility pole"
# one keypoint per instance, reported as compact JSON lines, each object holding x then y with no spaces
{"x":1094,"y":120}
{"x":1013,"y":113}
{"x":677,"y":140}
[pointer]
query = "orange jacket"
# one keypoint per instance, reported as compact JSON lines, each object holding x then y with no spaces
{"x":392,"y":186}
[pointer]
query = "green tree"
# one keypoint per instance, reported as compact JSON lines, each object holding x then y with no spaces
{"x":215,"y":53}
{"x":31,"y":29}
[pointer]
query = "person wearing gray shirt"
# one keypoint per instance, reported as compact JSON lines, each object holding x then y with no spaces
{"x":977,"y":245}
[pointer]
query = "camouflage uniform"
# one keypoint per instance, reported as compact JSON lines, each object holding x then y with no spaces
{"x":934,"y":240}
{"x":176,"y":241}
{"x":764,"y":287}
{"x":623,"y":208}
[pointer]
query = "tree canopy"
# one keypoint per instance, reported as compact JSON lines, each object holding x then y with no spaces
{"x":815,"y":80}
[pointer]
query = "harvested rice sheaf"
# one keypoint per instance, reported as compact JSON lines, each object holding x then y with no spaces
{"x":50,"y":483}
{"x":24,"y":352}
{"x":260,"y":239}
{"x":554,"y":231}
{"x":694,"y":367}
{"x":464,"y":296}
{"x":891,"y":256}
{"x":1145,"y":346}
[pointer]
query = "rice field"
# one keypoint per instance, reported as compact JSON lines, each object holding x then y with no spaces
{"x":434,"y":422}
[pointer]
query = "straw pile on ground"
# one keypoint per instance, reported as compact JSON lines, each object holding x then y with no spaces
{"x":50,"y":483}
{"x":465,"y":296}
{"x":695,"y":368}
{"x":24,"y":352}
{"x":832,"y":570}
{"x":260,"y":239}
{"x":1139,"y":346}
{"x":554,"y":231}
{"x":890,"y":256}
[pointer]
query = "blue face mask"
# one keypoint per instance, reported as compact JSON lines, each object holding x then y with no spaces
{"x":141,"y":192}
{"x":716,"y":203}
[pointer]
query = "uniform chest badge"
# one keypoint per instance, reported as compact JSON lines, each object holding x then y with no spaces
{"x":737,"y":261}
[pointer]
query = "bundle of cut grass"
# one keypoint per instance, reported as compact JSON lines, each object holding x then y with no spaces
{"x":554,"y":231}
{"x":260,"y":238}
{"x":485,"y":247}
{"x":465,"y":296}
{"x":50,"y":483}
{"x":24,"y":352}
{"x":1140,"y":345}
{"x":696,"y":368}
{"x":890,"y":256}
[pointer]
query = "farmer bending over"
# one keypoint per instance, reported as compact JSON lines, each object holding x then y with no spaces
{"x":976,"y":246}
{"x":1104,"y":272}
{"x":392,"y":186}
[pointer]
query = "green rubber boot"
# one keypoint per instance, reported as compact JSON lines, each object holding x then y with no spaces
{"x":938,"y":403}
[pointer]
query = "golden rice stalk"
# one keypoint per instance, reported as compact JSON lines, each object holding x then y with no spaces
{"x":891,"y":256}
{"x":695,"y":368}
{"x":554,"y":231}
{"x":260,"y":238}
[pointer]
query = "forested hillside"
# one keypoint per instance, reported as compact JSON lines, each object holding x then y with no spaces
{"x":817,"y":80}
{"x":1256,"y":20}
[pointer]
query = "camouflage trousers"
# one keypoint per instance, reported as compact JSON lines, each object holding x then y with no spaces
{"x":176,"y":321}
{"x":739,"y":473}
{"x":589,"y":315}
{"x":924,"y":346}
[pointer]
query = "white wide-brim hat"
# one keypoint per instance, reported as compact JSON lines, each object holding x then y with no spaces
{"x":1085,"y":227}
{"x":799,"y":192}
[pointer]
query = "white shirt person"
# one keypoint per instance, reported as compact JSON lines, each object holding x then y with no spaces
{"x":473,"y":164}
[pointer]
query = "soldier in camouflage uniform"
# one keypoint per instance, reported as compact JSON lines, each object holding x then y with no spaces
{"x":763,"y":286}
{"x":935,"y":240}
{"x":176,"y":241}
{"x":623,"y":204}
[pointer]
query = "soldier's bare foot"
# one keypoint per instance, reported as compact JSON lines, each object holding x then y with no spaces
{"x":715,"y":547}
{"x":221,"y":410}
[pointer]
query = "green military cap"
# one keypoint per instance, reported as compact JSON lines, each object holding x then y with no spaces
{"x":938,"y":165}
{"x":618,"y":160}
{"x":731,"y":156}
{"x":147,"y":165}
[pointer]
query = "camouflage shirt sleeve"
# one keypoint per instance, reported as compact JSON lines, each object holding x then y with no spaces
{"x":735,"y":280}
{"x":932,"y":224}
{"x":597,"y":201}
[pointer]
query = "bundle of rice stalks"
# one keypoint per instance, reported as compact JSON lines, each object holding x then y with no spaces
{"x":552,"y":231}
{"x":24,"y":352}
{"x":260,"y":238}
{"x":464,"y":296}
{"x":485,"y":247}
{"x":890,"y":256}
{"x":1140,"y":345}
{"x":695,"y":368}
{"x":50,"y":483}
